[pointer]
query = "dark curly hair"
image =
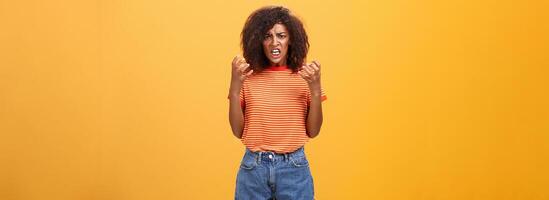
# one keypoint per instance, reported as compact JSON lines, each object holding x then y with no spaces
{"x":259,"y":23}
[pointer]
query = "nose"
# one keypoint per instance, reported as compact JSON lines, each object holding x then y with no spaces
{"x":275,"y":41}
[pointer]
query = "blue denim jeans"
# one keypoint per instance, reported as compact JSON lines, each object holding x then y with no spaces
{"x":268,"y":175}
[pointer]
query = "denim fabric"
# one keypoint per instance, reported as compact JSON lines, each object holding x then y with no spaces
{"x":268,"y":175}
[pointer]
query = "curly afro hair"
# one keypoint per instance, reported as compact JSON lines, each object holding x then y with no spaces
{"x":259,"y":23}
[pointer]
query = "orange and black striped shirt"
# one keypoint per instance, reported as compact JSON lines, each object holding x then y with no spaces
{"x":275,"y":104}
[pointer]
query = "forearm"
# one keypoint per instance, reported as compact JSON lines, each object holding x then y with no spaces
{"x":236,"y":115}
{"x":314,"y":117}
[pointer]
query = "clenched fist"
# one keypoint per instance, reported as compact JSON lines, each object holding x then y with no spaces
{"x":240,"y":69}
{"x":311,"y":73}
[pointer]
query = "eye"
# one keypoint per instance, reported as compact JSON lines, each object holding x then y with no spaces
{"x":267,"y":36}
{"x":282,"y":36}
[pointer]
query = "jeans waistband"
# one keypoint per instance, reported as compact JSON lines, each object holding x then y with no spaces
{"x":273,"y":155}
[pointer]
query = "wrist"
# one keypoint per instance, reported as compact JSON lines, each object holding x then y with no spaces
{"x":315,"y":88}
{"x":235,"y":89}
{"x":235,"y":81}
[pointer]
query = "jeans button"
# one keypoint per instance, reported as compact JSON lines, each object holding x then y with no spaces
{"x":270,"y":156}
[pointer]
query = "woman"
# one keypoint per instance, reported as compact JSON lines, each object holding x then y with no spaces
{"x":275,"y":106}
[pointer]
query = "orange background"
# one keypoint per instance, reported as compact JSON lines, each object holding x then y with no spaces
{"x":127,"y":99}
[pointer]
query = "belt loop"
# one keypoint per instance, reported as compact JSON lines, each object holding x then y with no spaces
{"x":258,"y":157}
{"x":286,"y":157}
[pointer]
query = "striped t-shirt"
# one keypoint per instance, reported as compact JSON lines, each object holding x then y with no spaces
{"x":275,"y":103}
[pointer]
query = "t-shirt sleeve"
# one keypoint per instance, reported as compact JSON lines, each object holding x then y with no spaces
{"x":323,"y":96}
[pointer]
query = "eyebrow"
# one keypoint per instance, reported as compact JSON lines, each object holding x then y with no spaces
{"x":277,"y":33}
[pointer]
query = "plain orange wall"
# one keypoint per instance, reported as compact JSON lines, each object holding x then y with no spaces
{"x":119,"y":100}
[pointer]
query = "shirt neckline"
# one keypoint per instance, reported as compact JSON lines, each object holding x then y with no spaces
{"x":277,"y":68}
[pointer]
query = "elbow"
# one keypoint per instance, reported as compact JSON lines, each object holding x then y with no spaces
{"x":237,"y":133}
{"x":313,"y":134}
{"x":237,"y":127}
{"x":313,"y":129}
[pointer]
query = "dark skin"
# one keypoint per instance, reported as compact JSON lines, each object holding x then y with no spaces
{"x":310,"y":72}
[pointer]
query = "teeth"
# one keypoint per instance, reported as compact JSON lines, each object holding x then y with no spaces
{"x":275,"y":51}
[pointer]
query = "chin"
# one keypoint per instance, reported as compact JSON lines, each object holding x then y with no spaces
{"x":276,"y":62}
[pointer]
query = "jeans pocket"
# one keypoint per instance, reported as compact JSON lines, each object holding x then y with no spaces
{"x":299,"y":161}
{"x":248,"y":162}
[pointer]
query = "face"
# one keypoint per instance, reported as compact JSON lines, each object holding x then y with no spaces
{"x":275,"y":44}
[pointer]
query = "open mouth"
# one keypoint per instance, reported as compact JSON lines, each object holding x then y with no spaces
{"x":275,"y":52}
